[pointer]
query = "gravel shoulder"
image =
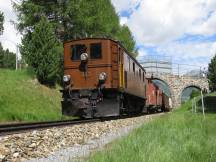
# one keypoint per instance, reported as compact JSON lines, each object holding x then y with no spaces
{"x":66,"y":143}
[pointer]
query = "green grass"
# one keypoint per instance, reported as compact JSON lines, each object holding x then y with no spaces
{"x":22,"y":98}
{"x":177,"y":137}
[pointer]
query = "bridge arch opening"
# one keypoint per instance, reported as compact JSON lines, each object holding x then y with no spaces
{"x":188,"y":91}
{"x":163,"y":85}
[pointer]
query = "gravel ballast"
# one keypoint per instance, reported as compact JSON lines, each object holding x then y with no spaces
{"x":66,"y":143}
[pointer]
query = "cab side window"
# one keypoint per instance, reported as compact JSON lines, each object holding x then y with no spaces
{"x":95,"y":51}
{"x":134,"y":67}
{"x":140,"y":74}
{"x":77,"y":50}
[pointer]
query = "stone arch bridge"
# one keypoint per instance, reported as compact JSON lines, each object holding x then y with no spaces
{"x":178,"y":83}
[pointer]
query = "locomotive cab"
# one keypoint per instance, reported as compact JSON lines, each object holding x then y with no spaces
{"x":89,"y":87}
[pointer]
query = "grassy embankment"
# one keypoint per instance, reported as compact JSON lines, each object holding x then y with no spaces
{"x":181,"y":136}
{"x":22,"y":98}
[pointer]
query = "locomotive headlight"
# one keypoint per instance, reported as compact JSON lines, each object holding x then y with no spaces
{"x":84,"y":57}
{"x":66,"y":78}
{"x":102,"y":76}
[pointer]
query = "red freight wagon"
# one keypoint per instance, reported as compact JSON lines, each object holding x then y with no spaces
{"x":154,"y":96}
{"x":151,"y":94}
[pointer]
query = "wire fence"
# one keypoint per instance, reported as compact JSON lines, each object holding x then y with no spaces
{"x":163,"y":65}
{"x":188,"y":70}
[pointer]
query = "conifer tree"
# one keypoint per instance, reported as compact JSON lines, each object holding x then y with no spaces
{"x":212,"y":74}
{"x":1,"y":31}
{"x":1,"y":22}
{"x":7,"y":58}
{"x":43,"y":52}
{"x":1,"y":56}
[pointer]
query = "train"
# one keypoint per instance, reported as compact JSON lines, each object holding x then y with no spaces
{"x":102,"y":79}
{"x":156,"y":99}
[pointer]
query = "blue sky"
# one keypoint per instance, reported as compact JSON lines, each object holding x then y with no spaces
{"x":182,"y":29}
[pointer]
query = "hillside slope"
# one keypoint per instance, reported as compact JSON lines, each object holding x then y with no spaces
{"x":22,"y":98}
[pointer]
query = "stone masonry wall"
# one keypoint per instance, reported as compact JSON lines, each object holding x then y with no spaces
{"x":178,"y":83}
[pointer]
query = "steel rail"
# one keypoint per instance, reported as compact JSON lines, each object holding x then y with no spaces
{"x":6,"y":129}
{"x":14,"y":128}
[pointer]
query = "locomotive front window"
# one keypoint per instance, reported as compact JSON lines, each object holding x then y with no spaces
{"x":95,"y":51}
{"x":77,"y":50}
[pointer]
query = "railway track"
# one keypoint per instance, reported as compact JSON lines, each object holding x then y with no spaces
{"x":7,"y":129}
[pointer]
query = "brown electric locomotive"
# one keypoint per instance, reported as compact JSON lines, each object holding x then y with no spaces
{"x":101,"y":79}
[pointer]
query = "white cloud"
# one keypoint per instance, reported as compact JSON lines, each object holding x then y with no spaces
{"x":142,"y":52}
{"x":125,"y":5}
{"x":10,"y":37}
{"x":188,"y":49}
{"x":207,"y":27}
{"x":123,"y":20}
{"x":210,"y":4}
{"x":193,"y":53}
{"x":159,"y":23}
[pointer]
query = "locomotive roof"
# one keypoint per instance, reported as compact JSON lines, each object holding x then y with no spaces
{"x":110,"y":40}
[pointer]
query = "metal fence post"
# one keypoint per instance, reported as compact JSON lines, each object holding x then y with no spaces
{"x":17,"y":50}
{"x":195,"y":104}
{"x":192,"y":106}
{"x":203,"y":108}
